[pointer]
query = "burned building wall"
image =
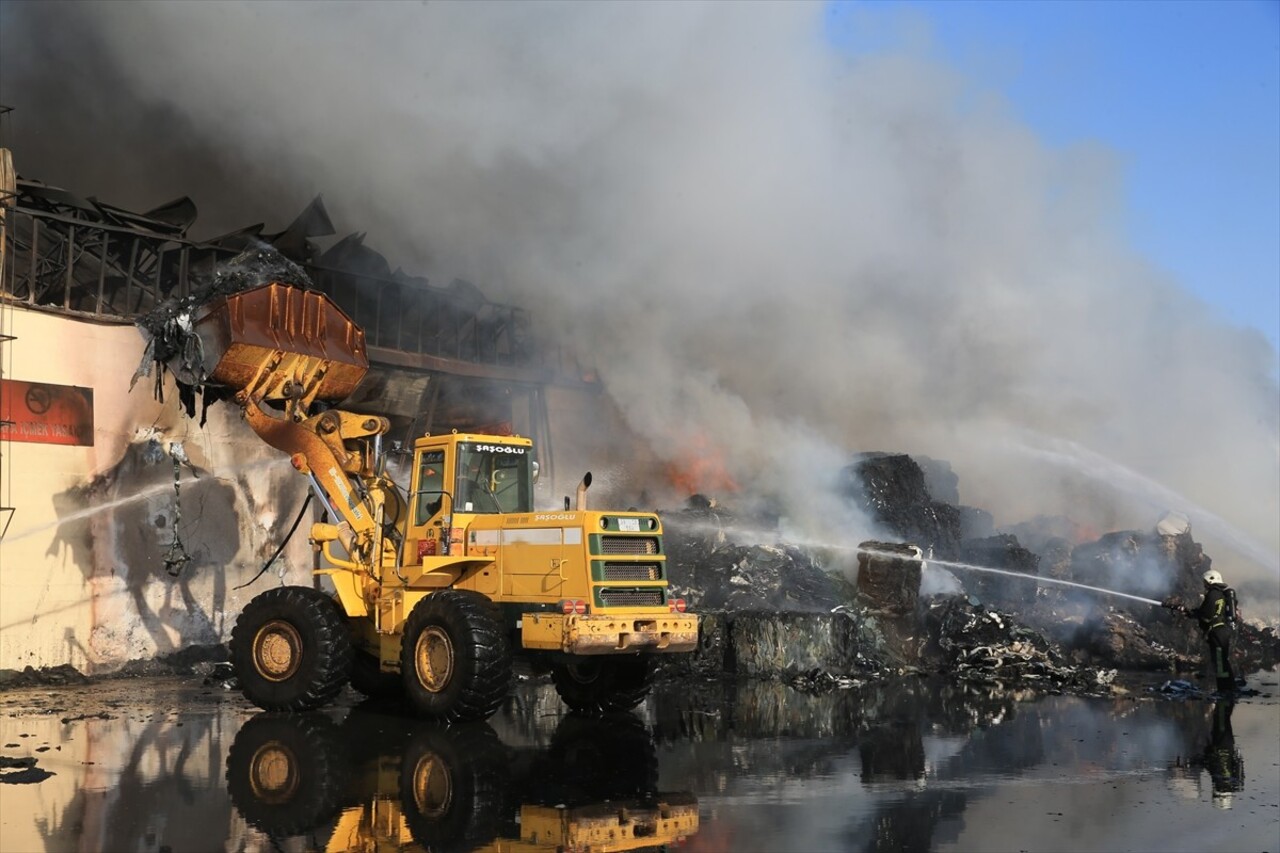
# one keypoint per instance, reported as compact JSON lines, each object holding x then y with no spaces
{"x":85,"y":566}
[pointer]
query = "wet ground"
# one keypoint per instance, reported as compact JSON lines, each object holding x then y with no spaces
{"x":167,"y":764}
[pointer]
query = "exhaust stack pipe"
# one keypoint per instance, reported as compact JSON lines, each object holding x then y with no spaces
{"x":582,"y":491}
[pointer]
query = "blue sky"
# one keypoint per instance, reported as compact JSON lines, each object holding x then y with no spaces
{"x":1187,"y":93}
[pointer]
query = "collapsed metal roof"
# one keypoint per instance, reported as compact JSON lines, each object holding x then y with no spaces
{"x":90,"y":258}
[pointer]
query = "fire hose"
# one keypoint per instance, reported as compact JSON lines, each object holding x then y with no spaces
{"x":280,"y":550}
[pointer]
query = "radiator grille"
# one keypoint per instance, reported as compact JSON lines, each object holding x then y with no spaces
{"x":631,"y":597}
{"x":628,"y":544}
{"x":631,"y":572}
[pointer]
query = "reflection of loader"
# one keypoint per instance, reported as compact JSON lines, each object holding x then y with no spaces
{"x":439,"y":586}
{"x":380,"y":782}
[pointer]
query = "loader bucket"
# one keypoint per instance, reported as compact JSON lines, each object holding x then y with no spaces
{"x":278,"y":336}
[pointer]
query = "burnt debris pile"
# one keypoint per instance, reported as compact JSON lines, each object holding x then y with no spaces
{"x":781,"y":611}
{"x":709,"y":565}
{"x":975,"y":643}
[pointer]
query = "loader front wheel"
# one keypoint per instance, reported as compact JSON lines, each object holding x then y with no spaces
{"x":603,"y":685}
{"x":291,"y":650}
{"x":454,"y":657}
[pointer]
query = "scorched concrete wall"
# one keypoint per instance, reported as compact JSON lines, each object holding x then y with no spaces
{"x":82,"y":567}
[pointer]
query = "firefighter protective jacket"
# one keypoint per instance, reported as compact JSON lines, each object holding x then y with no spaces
{"x":1215,"y":610}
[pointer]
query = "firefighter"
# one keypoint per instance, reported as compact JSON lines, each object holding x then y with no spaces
{"x":1216,"y":615}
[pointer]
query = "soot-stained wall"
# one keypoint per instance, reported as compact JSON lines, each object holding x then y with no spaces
{"x":83,"y":575}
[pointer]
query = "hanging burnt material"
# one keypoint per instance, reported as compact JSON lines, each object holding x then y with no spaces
{"x":176,"y":557}
{"x":172,"y":343}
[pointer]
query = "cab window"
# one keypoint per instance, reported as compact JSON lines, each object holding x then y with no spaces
{"x":430,"y":492}
{"x":494,"y":478}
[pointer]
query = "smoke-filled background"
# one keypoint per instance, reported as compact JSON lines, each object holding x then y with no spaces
{"x":766,"y":246}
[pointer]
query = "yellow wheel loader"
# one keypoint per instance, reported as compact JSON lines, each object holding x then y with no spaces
{"x":440,"y":582}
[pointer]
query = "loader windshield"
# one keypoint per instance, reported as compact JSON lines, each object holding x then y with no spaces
{"x":494,"y":478}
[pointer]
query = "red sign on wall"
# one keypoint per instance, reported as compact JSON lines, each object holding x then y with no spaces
{"x":45,"y":414}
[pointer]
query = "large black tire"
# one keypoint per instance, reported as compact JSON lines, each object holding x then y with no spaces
{"x":286,"y":774}
{"x":454,"y":657}
{"x":451,"y":786}
{"x":368,"y":678}
{"x":291,"y":650}
{"x":596,"y":686}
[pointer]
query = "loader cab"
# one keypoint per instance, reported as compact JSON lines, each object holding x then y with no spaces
{"x":474,"y":474}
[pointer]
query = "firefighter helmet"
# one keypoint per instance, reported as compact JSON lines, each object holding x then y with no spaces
{"x":1212,"y":578}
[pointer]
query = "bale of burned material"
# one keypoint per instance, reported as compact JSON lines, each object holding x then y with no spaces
{"x":708,"y":660}
{"x":1147,"y":564}
{"x":939,"y":478}
{"x":713,"y":571}
{"x":889,"y":577}
{"x":975,"y":523}
{"x":892,"y":490}
{"x":786,"y":645}
{"x":1138,"y":563}
{"x":1118,"y":640}
{"x":1002,"y":551}
{"x":1257,"y":647}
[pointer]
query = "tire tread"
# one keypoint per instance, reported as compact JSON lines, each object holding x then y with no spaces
{"x":320,"y":615}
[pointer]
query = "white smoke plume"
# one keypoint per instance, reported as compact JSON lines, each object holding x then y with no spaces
{"x":758,"y":239}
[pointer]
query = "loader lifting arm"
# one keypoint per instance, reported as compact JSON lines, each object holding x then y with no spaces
{"x":279,"y":344}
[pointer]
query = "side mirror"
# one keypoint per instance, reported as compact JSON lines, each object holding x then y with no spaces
{"x":535,"y":470}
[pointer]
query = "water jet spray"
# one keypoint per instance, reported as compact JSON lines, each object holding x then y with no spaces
{"x":1037,"y":578}
{"x":738,"y":534}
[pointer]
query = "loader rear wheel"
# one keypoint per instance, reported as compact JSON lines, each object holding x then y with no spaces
{"x":290,"y":649}
{"x":603,"y":685}
{"x":454,"y":657}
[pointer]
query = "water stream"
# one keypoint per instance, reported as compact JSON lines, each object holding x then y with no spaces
{"x":766,"y":538}
{"x":951,"y":564}
{"x":153,"y":491}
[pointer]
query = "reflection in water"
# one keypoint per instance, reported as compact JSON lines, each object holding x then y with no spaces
{"x":1218,"y":757}
{"x":913,"y":764}
{"x":920,"y":764}
{"x":1221,"y":758}
{"x":387,"y":782}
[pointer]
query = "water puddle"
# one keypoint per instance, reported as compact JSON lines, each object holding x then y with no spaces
{"x":157,"y":765}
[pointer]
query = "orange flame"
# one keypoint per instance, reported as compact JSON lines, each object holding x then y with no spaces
{"x":700,"y":469}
